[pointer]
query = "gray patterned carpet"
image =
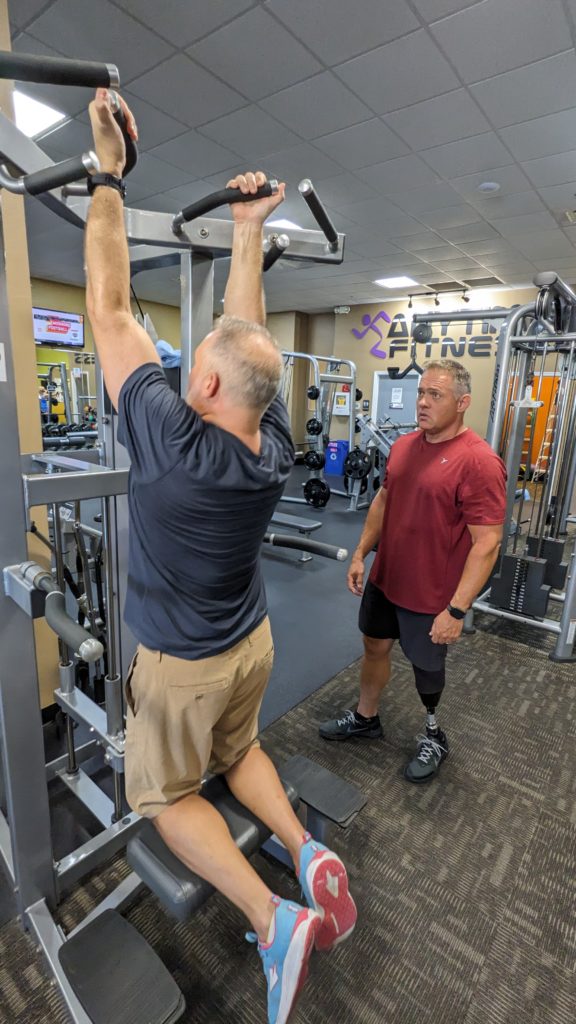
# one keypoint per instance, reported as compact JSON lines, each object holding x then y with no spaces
{"x":466,"y":887}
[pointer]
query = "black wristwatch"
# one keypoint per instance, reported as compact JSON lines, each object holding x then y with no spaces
{"x":456,"y":613}
{"x":109,"y":181}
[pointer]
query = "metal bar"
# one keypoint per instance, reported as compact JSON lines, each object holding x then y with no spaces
{"x":334,"y":378}
{"x":564,"y":649}
{"x":550,"y":279}
{"x":460,"y":316}
{"x":196,"y":309}
{"x":21,"y":734}
{"x":98,"y":849}
{"x":499,"y":397}
{"x":89,"y":794}
{"x":85,"y":710}
{"x":50,"y":938}
{"x":555,"y":340}
{"x":6,"y":847}
{"x":84,"y":752}
{"x":95,"y":482}
{"x":548,"y":625}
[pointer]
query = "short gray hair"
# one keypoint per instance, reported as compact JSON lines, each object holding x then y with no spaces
{"x":249,"y":361}
{"x":458,"y":372}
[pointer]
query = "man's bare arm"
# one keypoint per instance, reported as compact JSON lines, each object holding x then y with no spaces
{"x":244,"y":296}
{"x":121,"y":342}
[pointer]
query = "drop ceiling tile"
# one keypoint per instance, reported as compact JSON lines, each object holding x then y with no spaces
{"x":433,"y":10}
{"x":541,"y":243}
{"x":100,"y":32}
{"x":176,"y":199}
{"x":541,"y":137}
{"x":371,"y":213}
{"x":404,"y":72}
{"x":510,"y":226}
{"x":511,"y":179}
{"x":508,"y":206}
{"x":450,"y":217}
{"x":297,"y":162}
{"x":431,"y":197}
{"x":338,"y":191}
{"x":156,"y":175}
{"x":182,"y":22}
{"x":439,"y":252}
{"x":317,"y":106}
{"x":250,"y":131}
{"x":488,"y":247}
{"x":529,"y":92}
{"x":195,"y":154}
{"x":398,"y":175}
{"x":551,"y":170}
{"x":445,"y":118}
{"x":335,"y":32}
{"x":362,"y":144}
{"x":420,"y":243}
{"x":69,"y":139}
{"x":186,"y":91}
{"x":560,"y":197}
{"x":467,"y":156}
{"x":452,"y":266}
{"x":493,"y":37}
{"x":255,"y":55}
{"x":469,"y":233}
{"x":23,"y":11}
{"x":154,"y":126}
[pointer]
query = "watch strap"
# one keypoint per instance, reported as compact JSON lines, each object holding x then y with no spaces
{"x":456,"y":613}
{"x":108,"y":181}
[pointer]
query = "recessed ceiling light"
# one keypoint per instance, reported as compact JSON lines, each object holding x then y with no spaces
{"x":488,"y":187}
{"x":33,"y":117}
{"x":283,"y":224}
{"x":395,"y":282}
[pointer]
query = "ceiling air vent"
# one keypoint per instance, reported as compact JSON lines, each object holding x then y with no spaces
{"x":484,"y":282}
{"x":445,"y":286}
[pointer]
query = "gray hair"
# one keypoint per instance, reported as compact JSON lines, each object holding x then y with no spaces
{"x":248,"y":360}
{"x":460,"y":375}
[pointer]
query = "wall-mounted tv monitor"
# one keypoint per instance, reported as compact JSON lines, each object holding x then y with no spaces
{"x":62,"y":330}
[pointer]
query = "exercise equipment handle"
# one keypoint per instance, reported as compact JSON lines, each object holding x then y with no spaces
{"x":308,"y":193}
{"x":221,"y":198}
{"x":26,"y":67}
{"x":50,"y":177}
{"x":315,"y":547}
{"x":74,"y":636}
{"x":276,"y":250}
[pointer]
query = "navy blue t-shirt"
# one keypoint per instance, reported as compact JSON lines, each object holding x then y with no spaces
{"x":200,"y":502}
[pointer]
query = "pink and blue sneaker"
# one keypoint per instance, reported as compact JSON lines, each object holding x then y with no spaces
{"x":285,"y":958}
{"x":324,"y":882}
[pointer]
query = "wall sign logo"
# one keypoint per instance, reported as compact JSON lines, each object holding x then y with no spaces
{"x":477,"y":341}
{"x":369,"y":324}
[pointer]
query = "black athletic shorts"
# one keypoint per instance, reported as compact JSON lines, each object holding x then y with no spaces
{"x":382,"y":620}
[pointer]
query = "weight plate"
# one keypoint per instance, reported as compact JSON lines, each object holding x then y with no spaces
{"x":357,"y":464}
{"x":313,"y":392}
{"x":314,"y":427}
{"x":314,"y":460}
{"x":317,"y":493}
{"x":358,"y":395}
{"x":422,"y":332}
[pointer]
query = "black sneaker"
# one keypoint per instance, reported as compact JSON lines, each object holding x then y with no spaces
{"x":348,"y":726}
{"x":431,"y":750}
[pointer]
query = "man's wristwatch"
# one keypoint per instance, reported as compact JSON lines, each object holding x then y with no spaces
{"x":456,"y":613}
{"x":108,"y":181}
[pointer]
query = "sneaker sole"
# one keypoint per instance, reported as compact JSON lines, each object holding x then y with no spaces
{"x":327,"y":882}
{"x":425,"y":778}
{"x":296,"y":968}
{"x":353,"y":736}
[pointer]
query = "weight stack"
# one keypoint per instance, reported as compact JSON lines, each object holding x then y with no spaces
{"x":519,"y":586}
{"x":551,"y":550}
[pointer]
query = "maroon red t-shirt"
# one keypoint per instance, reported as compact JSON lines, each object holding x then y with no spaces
{"x":433,"y":493}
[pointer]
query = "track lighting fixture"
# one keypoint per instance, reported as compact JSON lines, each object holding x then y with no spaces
{"x":410,"y":302}
{"x":436,"y":300}
{"x":465,"y":297}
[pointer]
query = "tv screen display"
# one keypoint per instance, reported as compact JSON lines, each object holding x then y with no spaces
{"x":52,"y":327}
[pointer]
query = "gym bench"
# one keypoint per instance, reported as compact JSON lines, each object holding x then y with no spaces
{"x":299,"y":523}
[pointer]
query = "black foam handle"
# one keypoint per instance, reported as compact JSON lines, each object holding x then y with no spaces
{"x":24,"y":67}
{"x":321,"y":217}
{"x":221,"y":198}
{"x":131,"y":147}
{"x":56,"y":175}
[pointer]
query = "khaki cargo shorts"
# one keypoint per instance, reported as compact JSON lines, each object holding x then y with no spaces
{"x":186,"y":718}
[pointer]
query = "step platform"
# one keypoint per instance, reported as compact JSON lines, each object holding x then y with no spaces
{"x":117,"y":976}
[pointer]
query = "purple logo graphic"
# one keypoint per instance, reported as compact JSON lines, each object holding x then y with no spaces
{"x":370,"y":325}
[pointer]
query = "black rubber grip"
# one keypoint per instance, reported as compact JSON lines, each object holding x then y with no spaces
{"x":52,"y":177}
{"x":221,"y":198}
{"x":319,"y":213}
{"x":24,"y":67}
{"x":131,"y":147}
{"x":275,"y":252}
{"x":314,"y":547}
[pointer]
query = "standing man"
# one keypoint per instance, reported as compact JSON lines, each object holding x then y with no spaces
{"x":206,"y":474}
{"x":437,"y":520}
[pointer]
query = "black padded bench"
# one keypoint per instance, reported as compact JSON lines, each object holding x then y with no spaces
{"x":328,"y":800}
{"x":299,"y":523}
